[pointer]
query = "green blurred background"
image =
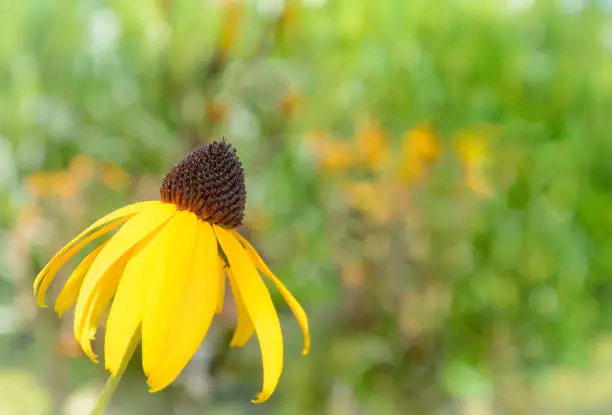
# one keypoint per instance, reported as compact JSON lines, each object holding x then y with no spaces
{"x":431,"y":178}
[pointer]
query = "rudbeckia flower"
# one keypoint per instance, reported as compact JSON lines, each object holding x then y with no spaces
{"x":163,"y":274}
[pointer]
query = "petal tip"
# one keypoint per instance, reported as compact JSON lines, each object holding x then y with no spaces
{"x":306,"y":348}
{"x":92,"y":356}
{"x":154,"y":384}
{"x":89,"y":352}
{"x":153,"y":388}
{"x":260,"y":398}
{"x":111,"y":366}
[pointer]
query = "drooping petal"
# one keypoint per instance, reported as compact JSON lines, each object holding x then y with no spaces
{"x":193,"y":313}
{"x":101,"y":226}
{"x":167,"y":287}
{"x":69,"y":293}
{"x":295,"y":306}
{"x":126,"y":311}
{"x":244,"y":327}
{"x":136,"y":230}
{"x":57,"y":264}
{"x":221,"y":274}
{"x":102,"y":294}
{"x":258,"y":304}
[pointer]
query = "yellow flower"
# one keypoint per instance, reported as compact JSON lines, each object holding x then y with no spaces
{"x":166,"y":268}
{"x":375,"y":199}
{"x":232,"y":22}
{"x":113,"y":176}
{"x":372,"y":145}
{"x":58,"y":183}
{"x":474,"y":152}
{"x":332,"y":156}
{"x":420,"y":149}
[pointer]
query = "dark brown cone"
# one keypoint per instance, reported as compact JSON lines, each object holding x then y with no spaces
{"x":209,"y":182}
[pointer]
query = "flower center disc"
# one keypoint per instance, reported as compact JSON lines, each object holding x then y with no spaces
{"x":209,"y":182}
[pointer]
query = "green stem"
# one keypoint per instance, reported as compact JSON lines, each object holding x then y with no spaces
{"x":113,"y":381}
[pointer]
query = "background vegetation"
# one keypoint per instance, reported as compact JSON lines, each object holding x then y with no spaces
{"x":431,"y":178}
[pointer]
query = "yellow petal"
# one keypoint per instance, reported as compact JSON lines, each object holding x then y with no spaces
{"x":69,"y":293}
{"x":55,"y":265}
{"x":106,"y":224}
{"x":167,"y":281}
{"x":137,"y":229}
{"x":221,"y":275}
{"x":296,"y":308}
{"x":244,"y":327}
{"x":258,"y":304}
{"x":126,"y":312}
{"x":102,"y":295}
{"x":193,"y":313}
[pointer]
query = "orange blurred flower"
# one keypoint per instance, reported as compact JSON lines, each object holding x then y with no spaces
{"x":257,"y":221}
{"x":61,"y":183}
{"x":232,"y":21}
{"x":331,"y":155}
{"x":216,"y":110}
{"x":352,"y":273}
{"x":67,"y":346}
{"x":66,"y":184}
{"x":36,"y":184}
{"x":113,"y":176}
{"x":371,"y":199}
{"x":372,"y":145}
{"x":289,"y":15}
{"x":362,"y":195}
{"x":53,"y":183}
{"x":420,"y":148}
{"x":82,"y":166}
{"x":290,"y":102}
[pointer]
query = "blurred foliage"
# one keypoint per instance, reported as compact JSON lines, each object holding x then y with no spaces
{"x":431,"y":178}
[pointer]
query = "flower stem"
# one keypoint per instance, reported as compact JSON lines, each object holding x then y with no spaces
{"x":113,"y":381}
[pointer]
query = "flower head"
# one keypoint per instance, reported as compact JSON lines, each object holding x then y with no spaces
{"x":163,"y":275}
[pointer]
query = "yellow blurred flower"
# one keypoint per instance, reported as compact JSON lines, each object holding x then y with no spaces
{"x":53,"y":183}
{"x":66,"y":184}
{"x":420,"y":148}
{"x":362,"y":195}
{"x":61,"y":183}
{"x":289,"y":15}
{"x":352,"y":273}
{"x":258,"y":221}
{"x":29,"y":215}
{"x":332,"y":156}
{"x":370,"y":198}
{"x":472,"y":148}
{"x":67,"y":346}
{"x":113,"y":176}
{"x":37,"y":184}
{"x":232,"y":21}
{"x":372,"y":145}
{"x":290,"y":103}
{"x":216,"y":110}
{"x":82,"y":166}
